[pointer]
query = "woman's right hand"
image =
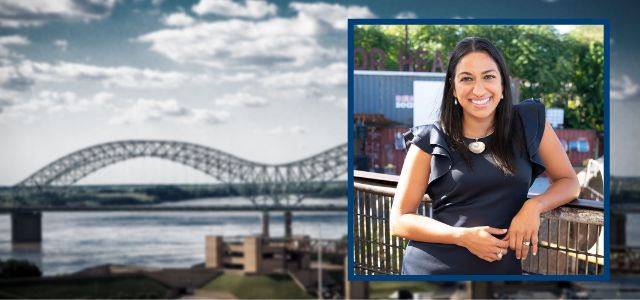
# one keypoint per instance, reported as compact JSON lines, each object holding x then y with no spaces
{"x":481,"y":242}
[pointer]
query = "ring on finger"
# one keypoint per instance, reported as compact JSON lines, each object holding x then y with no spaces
{"x":499,"y":255}
{"x":526,"y":243}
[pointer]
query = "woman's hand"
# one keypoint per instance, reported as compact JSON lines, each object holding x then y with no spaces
{"x":481,"y":242}
{"x":524,"y":229}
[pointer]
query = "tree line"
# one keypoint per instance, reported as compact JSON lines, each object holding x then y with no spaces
{"x":563,"y":70}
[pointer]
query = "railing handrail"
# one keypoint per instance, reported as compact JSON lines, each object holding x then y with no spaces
{"x":391,"y":181}
{"x":571,"y":237}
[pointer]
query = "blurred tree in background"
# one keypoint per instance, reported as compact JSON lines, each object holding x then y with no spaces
{"x":563,"y":70}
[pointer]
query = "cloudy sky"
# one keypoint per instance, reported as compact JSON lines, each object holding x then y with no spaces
{"x":264,"y":80}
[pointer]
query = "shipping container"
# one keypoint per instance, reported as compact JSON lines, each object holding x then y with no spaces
{"x":580,"y":144}
{"x":388,"y":93}
{"x":383,"y":151}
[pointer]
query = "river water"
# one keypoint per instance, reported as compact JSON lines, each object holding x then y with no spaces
{"x":74,"y":241}
{"x":77,"y":240}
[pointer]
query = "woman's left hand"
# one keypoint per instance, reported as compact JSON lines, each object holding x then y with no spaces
{"x":524,"y":228}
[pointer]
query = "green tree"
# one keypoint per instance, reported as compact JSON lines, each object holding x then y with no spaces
{"x":563,"y":70}
{"x":14,"y":268}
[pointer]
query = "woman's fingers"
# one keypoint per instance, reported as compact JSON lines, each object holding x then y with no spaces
{"x":526,"y":243}
{"x":500,"y":250}
{"x":495,"y":230}
{"x":502,"y":244}
{"x":486,"y":257}
{"x":512,"y":240}
{"x":534,"y":243}
{"x":518,"y":243}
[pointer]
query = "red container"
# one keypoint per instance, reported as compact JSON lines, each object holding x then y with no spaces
{"x":580,"y":144}
{"x":384,"y":149}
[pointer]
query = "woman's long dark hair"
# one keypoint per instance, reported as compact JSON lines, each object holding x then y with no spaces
{"x":451,"y":115}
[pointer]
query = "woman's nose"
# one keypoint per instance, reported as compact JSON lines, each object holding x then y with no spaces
{"x":478,"y":88}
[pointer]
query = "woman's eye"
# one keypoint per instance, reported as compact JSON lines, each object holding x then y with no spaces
{"x":489,"y":77}
{"x":463,"y":79}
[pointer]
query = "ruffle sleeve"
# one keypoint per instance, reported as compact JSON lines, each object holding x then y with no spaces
{"x":531,"y":113}
{"x":430,"y":139}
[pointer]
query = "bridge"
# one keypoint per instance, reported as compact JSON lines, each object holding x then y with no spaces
{"x":270,"y":187}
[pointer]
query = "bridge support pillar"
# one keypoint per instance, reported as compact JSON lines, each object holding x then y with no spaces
{"x":619,"y":232}
{"x":288,"y":217}
{"x":265,"y":223}
{"x":26,"y":227}
{"x":287,"y":223}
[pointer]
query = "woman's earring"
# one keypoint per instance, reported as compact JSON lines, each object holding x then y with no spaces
{"x":455,"y":102}
{"x":502,"y":96}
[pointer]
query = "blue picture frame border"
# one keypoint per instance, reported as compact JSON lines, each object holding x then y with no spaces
{"x":605,"y":276}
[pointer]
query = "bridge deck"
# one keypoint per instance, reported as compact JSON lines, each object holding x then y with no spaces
{"x":177,"y":208}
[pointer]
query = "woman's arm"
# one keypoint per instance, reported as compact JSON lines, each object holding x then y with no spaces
{"x":407,"y":224}
{"x":564,"y":188}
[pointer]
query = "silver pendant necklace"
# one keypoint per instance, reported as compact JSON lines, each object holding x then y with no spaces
{"x":478,"y":147}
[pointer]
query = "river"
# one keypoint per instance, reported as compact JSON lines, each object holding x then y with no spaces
{"x":76,"y":240}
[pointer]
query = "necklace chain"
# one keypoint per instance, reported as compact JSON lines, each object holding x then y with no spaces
{"x":488,"y":134}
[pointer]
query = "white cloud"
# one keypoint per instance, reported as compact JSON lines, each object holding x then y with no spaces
{"x":38,"y":12}
{"x":124,"y":111}
{"x":51,"y":102}
{"x":623,"y":88}
{"x":293,"y":41}
{"x":178,"y":19}
{"x":62,"y":44}
{"x":123,"y":76}
{"x":562,"y":29}
{"x":249,"y":9}
{"x":241,"y":99}
{"x":238,"y":43}
{"x":11,"y":40}
{"x":334,"y":14}
{"x":295,"y":129}
{"x":236,"y":77}
{"x":148,"y":110}
{"x":406,"y":15}
{"x":334,"y":74}
{"x":12,"y":78}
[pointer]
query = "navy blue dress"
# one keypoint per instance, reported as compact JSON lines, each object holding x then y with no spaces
{"x":482,"y":196}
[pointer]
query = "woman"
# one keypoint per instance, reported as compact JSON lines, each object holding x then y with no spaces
{"x":477,"y":164}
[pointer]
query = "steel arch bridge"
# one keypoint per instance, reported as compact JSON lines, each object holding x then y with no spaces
{"x":275,"y":181}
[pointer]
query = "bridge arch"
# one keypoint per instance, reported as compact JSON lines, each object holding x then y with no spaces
{"x":224,"y":167}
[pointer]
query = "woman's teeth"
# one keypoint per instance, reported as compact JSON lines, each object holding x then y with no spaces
{"x":481,"y":101}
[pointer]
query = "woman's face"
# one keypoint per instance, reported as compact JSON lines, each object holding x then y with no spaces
{"x":478,"y":85}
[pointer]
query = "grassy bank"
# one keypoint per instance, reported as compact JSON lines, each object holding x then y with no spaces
{"x":130,"y":287}
{"x":257,"y":286}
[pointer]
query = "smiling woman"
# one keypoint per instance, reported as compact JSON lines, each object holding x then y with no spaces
{"x":477,"y":163}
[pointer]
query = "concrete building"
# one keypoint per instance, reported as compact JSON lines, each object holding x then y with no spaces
{"x":258,"y":255}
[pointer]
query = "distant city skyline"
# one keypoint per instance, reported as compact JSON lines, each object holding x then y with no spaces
{"x":263,"y":80}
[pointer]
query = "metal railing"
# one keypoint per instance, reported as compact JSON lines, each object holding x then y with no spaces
{"x":570,"y":239}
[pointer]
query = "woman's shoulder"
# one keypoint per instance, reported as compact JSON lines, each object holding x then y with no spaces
{"x":531,"y":115}
{"x":426,"y":137}
{"x":529,"y":106}
{"x":427,"y":129}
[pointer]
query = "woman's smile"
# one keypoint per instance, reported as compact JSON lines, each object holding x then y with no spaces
{"x":480,"y":103}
